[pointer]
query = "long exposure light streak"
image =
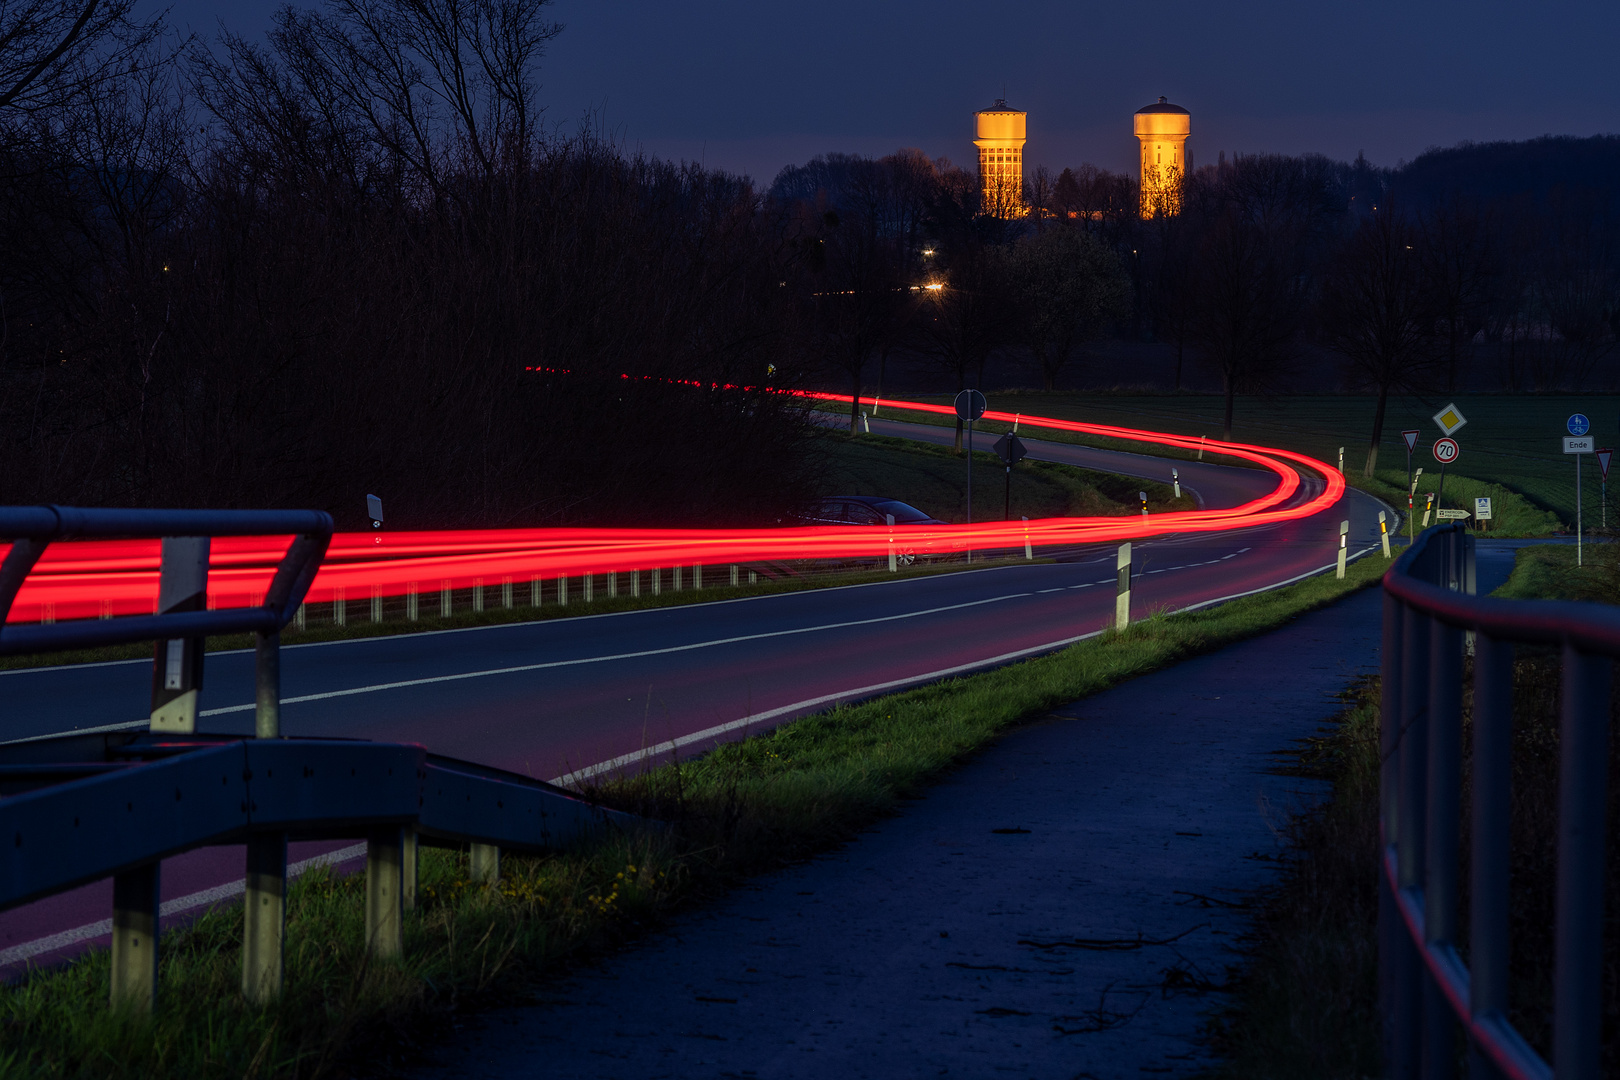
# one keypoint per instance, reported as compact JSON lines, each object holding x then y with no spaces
{"x":87,"y":579}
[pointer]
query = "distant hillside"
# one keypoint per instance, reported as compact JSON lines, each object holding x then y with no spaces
{"x":1504,"y":171}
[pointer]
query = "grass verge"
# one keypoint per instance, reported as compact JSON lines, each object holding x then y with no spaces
{"x":1306,"y":998}
{"x":743,"y":808}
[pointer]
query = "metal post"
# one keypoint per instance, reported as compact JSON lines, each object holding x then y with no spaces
{"x":444,"y":600}
{"x":411,"y":603}
{"x":340,"y":608}
{"x":590,"y":582}
{"x":1578,"y":561}
{"x":177,"y":670}
{"x":562,"y":590}
{"x":635,"y":583}
{"x":1409,"y":829}
{"x":1583,"y":758}
{"x":376,"y":604}
{"x":656,"y":577}
{"x":1444,"y":796}
{"x":1391,"y":930}
{"x":484,"y":863}
{"x":970,"y":487}
{"x":1122,"y":597}
{"x":697,"y":575}
{"x":264,"y":917}
{"x":1006,"y":513}
{"x":506,"y":592}
{"x":384,"y":892}
{"x":736,"y":574}
{"x":1489,"y":855}
{"x":478,"y":594}
{"x":675,"y":578}
{"x":135,"y":938}
{"x":534,"y":592}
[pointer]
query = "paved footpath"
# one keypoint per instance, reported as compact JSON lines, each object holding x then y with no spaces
{"x":1054,"y":908}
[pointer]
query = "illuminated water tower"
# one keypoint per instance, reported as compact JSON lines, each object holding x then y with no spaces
{"x":1001,"y":159}
{"x":1162,"y":129}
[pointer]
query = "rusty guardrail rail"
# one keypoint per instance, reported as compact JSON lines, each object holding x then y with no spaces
{"x":79,"y":808}
{"x":1427,"y":992}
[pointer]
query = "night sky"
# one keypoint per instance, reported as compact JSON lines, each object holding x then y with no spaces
{"x":751,"y":87}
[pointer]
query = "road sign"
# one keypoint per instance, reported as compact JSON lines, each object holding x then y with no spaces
{"x":1583,"y":444}
{"x":1449,"y":419}
{"x":1578,"y":424}
{"x":1482,"y":509}
{"x":1411,"y":438}
{"x":1445,"y":451}
{"x":970,"y":405}
{"x":1603,"y":460}
{"x":1010,"y":449}
{"x":1451,"y":515}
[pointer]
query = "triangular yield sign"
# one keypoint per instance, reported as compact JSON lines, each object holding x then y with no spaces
{"x":1603,"y":461}
{"x":1411,"y":440}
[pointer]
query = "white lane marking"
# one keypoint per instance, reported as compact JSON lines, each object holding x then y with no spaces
{"x":808,"y":703}
{"x":233,"y":888}
{"x":670,"y":745}
{"x":29,"y":949}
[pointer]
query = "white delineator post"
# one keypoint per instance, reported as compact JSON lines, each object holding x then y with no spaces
{"x":1201,"y":439}
{"x":1344,"y":538}
{"x":1428,"y":508}
{"x":1383,"y":531}
{"x":1341,"y":459}
{"x":1122,"y":599}
{"x":1175,"y":478}
{"x":893,"y":563}
{"x":1029,"y":552}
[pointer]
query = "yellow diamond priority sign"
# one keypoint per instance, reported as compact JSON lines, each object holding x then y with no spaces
{"x":1449,"y":419}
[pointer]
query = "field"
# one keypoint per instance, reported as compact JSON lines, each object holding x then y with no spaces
{"x":1512,"y":441}
{"x":934,"y":480}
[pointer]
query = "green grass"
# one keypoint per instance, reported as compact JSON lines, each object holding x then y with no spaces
{"x":934,"y":479}
{"x":1549,"y":572}
{"x":744,"y":808}
{"x":1514,"y":441}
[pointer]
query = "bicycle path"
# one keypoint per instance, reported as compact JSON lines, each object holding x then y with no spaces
{"x":1060,"y":906}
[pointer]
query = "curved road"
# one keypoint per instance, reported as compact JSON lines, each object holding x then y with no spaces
{"x":570,"y":697}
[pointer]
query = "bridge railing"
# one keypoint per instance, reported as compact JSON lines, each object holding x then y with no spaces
{"x":1428,"y":993}
{"x":80,"y":808}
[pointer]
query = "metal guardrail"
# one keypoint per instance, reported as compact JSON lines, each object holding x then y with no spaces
{"x":79,"y":808}
{"x":1427,"y":992}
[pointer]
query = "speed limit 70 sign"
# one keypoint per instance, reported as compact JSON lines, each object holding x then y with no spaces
{"x":1445,"y":451}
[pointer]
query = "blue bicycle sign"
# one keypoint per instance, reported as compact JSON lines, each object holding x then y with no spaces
{"x":1579,"y":424}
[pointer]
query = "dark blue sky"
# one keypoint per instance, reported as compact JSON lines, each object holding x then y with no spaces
{"x":752,"y":87}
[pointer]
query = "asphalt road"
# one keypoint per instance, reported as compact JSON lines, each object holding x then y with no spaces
{"x":553,"y":698}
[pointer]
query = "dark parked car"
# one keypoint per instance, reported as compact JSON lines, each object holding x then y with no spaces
{"x":865,"y":510}
{"x":873,"y":510}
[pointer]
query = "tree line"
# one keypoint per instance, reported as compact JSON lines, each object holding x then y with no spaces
{"x":352,"y":260}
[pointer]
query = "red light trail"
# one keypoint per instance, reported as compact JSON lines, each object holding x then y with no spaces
{"x":87,"y":579}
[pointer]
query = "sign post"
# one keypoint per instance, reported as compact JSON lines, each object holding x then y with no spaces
{"x":1010,"y":449}
{"x":1578,"y":442}
{"x":1603,"y":457}
{"x":1445,"y":452}
{"x":970,"y":405}
{"x":1410,"y":437}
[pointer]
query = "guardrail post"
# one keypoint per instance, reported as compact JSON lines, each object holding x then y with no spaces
{"x":1391,"y":932}
{"x":562,"y":590}
{"x":1409,"y":830}
{"x":264,"y":907}
{"x":484,"y":863}
{"x":267,"y":686}
{"x":478,"y":594}
{"x":1583,"y":761}
{"x":1122,"y":598}
{"x":444,"y":600}
{"x":656,"y":577}
{"x":177,"y":671}
{"x":590,"y":581}
{"x":1489,"y":855}
{"x":385,"y":922}
{"x":376,"y":604}
{"x":635,"y":583}
{"x":340,"y":607}
{"x":1444,"y":796}
{"x":135,"y":938}
{"x":697,"y":575}
{"x":734,"y":574}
